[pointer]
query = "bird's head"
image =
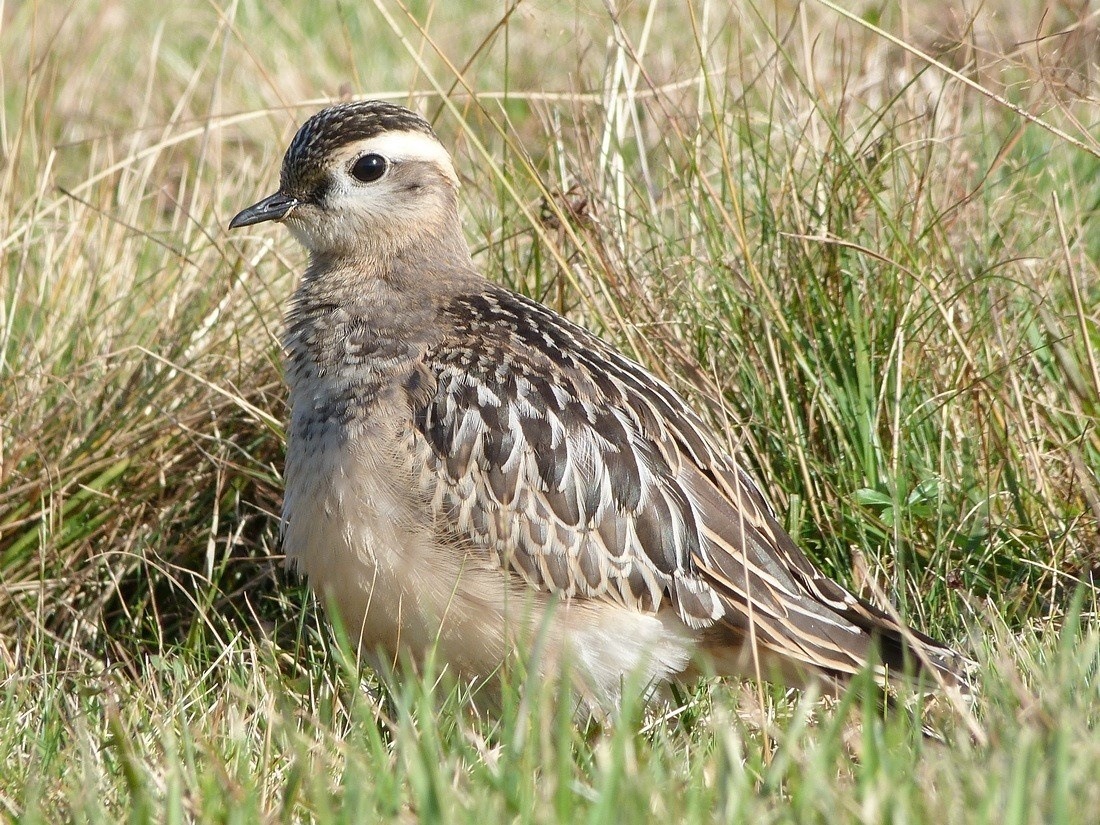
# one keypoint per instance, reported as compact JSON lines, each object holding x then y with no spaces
{"x":367,"y":178}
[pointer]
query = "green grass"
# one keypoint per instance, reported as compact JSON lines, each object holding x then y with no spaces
{"x":880,"y":283}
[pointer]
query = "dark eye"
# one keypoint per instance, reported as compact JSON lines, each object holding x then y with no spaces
{"x":369,"y":168}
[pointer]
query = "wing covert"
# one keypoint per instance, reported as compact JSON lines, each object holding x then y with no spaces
{"x":587,"y":476}
{"x":561,"y":486}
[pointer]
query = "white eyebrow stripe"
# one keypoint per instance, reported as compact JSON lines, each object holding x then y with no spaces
{"x":409,"y":146}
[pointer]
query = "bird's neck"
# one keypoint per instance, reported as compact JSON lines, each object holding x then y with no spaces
{"x":388,"y":246}
{"x":386,"y":285}
{"x":363,"y":318}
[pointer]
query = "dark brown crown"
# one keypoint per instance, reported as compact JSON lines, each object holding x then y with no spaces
{"x":305,"y":161}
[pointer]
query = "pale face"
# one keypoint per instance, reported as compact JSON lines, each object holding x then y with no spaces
{"x":373,"y":196}
{"x":388,"y":187}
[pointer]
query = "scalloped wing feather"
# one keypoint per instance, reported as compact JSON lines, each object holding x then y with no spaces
{"x":592,"y":479}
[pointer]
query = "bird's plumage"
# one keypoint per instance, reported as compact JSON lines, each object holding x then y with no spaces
{"x":470,"y":472}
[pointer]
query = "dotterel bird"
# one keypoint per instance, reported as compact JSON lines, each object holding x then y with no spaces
{"x":468,"y":471}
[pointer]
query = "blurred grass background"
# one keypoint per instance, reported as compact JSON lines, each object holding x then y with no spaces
{"x":877,"y":274}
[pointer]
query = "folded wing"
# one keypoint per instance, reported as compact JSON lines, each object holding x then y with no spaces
{"x":589,"y":477}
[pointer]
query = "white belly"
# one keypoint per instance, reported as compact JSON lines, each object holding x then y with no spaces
{"x":359,"y":526}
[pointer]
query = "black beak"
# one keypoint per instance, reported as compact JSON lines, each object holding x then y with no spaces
{"x":272,"y":208}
